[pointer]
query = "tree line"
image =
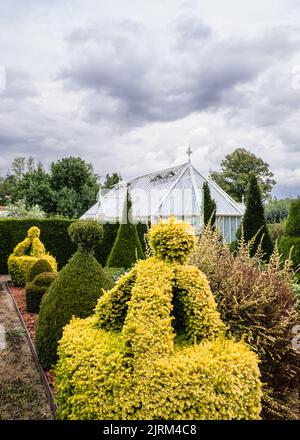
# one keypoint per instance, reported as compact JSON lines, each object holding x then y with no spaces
{"x":68,"y":189}
{"x":70,"y":186}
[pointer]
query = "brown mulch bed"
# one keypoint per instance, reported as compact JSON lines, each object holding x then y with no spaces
{"x":30,"y":320}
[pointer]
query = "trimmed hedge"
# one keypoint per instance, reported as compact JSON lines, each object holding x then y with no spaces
{"x":128,"y":361}
{"x":54,"y":235}
{"x":36,"y":289}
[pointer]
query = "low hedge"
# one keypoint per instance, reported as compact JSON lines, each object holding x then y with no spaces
{"x":42,"y":265}
{"x":54,"y":235}
{"x":19,"y":267}
{"x":36,"y":289}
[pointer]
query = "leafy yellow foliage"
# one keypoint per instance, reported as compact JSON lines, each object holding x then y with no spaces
{"x":216,"y":380}
{"x":25,"y":255}
{"x":171,"y":240}
{"x":155,"y":348}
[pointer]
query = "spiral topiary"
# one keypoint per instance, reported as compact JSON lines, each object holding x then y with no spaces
{"x":25,"y":255}
{"x":155,"y":347}
{"x":75,"y":292}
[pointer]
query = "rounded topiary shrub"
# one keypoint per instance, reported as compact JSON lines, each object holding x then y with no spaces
{"x":74,"y":293}
{"x":155,"y":347}
{"x":40,"y":266}
{"x":36,"y":289}
{"x":25,"y":255}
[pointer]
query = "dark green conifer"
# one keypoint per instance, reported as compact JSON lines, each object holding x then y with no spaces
{"x":254,"y":222}
{"x":210,"y":206}
{"x":127,"y":248}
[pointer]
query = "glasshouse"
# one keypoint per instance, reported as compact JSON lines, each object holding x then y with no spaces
{"x":176,"y":191}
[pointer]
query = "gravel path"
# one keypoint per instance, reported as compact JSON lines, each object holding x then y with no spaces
{"x":22,"y":395}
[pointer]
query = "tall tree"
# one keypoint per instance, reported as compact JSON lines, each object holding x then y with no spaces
{"x":254,"y":222}
{"x":111,"y":180}
{"x":7,"y":189}
{"x":73,"y":179}
{"x":236,"y":170}
{"x":209,"y":205}
{"x":18,"y":167}
{"x":35,"y":189}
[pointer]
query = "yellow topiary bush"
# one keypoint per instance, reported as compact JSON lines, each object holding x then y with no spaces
{"x":155,"y":347}
{"x":25,"y":255}
{"x":172,"y":241}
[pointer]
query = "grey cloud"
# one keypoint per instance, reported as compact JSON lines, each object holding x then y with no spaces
{"x":143,"y":82}
{"x":191,"y":29}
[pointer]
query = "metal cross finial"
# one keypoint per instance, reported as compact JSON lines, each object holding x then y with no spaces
{"x":189,"y":152}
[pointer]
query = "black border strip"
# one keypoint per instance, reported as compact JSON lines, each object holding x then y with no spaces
{"x":43,"y":378}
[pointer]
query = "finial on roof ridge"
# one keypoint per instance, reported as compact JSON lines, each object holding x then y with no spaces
{"x":189,"y":152}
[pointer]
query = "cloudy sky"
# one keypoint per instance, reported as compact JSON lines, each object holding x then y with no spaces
{"x":128,"y":84}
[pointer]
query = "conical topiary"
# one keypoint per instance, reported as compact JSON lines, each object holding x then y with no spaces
{"x":74,"y":293}
{"x":254,"y":222}
{"x":127,"y":248}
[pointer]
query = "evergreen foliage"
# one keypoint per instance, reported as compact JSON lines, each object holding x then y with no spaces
{"x":54,"y":234}
{"x":36,"y":289}
{"x":42,"y":265}
{"x":74,"y":293}
{"x":127,"y":247}
{"x":210,"y":206}
{"x":254,"y":223}
{"x":25,"y":255}
{"x":289,"y":243}
{"x":292,"y":226}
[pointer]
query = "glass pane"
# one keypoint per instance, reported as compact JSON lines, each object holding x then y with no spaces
{"x":227,"y":229}
{"x":233,"y":228}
